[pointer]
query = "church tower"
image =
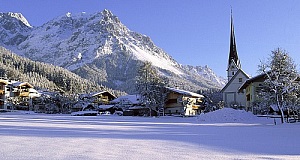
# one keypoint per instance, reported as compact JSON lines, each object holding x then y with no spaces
{"x":234,"y":63}
{"x":232,"y":97}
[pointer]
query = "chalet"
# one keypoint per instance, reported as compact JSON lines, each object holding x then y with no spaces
{"x":181,"y":102}
{"x":22,"y":89}
{"x":236,"y":77}
{"x":92,"y":99}
{"x":16,"y":95}
{"x":127,"y":101}
{"x":98,"y":98}
{"x":131,"y":105}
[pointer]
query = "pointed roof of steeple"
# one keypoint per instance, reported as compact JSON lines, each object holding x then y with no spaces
{"x":233,"y":55}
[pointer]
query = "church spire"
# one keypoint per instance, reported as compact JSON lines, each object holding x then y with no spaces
{"x":233,"y":55}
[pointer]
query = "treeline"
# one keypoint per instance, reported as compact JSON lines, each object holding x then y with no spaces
{"x":45,"y":76}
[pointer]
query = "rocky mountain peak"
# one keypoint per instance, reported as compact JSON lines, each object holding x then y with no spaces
{"x":16,"y":16}
{"x":14,"y":28}
{"x":112,"y":24}
{"x":108,"y":16}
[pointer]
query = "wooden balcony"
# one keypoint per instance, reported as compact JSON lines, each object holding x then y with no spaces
{"x":24,"y":94}
{"x":102,"y":100}
{"x":195,"y":107}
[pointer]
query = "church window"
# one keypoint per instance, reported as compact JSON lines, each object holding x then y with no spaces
{"x":232,"y":73}
{"x":240,"y":80}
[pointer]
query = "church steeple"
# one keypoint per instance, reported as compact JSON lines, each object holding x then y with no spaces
{"x":234,"y":63}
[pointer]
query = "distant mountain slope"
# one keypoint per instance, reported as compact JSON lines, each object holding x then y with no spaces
{"x":100,"y":48}
{"x":44,"y":76}
{"x":14,"y":28}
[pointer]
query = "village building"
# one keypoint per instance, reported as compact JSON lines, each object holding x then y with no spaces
{"x":128,"y":105}
{"x":98,"y":98}
{"x":16,"y":95}
{"x":181,"y":102}
{"x":3,"y":84}
{"x":251,"y":88}
{"x":236,"y":77}
{"x":127,"y":101}
{"x":131,"y":105}
{"x":178,"y":102}
{"x":92,"y":101}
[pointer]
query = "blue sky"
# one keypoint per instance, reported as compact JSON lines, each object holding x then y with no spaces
{"x":194,"y":32}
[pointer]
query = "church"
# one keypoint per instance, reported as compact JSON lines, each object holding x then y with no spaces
{"x":236,"y":76}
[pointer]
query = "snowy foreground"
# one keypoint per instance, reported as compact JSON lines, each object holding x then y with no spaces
{"x":223,"y":134}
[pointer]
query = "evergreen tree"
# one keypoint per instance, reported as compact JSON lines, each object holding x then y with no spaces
{"x":281,"y":86}
{"x":45,"y":76}
{"x":151,"y":87}
{"x":213,"y":99}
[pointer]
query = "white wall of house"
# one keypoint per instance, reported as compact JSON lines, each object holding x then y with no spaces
{"x":231,"y":94}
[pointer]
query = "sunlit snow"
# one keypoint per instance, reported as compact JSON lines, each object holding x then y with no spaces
{"x":154,"y":59}
{"x":41,"y":136}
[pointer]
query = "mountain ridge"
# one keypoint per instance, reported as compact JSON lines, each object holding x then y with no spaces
{"x":100,"y":45}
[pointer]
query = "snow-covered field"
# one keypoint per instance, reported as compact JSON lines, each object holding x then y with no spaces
{"x":223,"y":134}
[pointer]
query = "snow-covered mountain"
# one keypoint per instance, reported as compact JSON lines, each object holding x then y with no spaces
{"x":14,"y":28}
{"x":100,"y":48}
{"x":207,"y":73}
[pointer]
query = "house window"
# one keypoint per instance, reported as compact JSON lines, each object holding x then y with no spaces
{"x":232,"y":73}
{"x":240,"y":80}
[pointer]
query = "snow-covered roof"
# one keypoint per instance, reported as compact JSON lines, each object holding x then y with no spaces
{"x":34,"y":93}
{"x":47,"y":93}
{"x":105,"y":106}
{"x":97,"y":93}
{"x":133,"y":99}
{"x":93,"y":94}
{"x":258,"y":78}
{"x":17,"y":84}
{"x":3,"y":81}
{"x":232,"y":79}
{"x":136,"y":107}
{"x":188,"y":93}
